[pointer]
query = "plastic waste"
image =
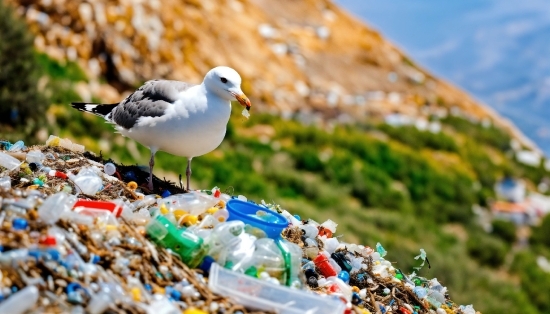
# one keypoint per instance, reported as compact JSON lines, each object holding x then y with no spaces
{"x":65,"y":143}
{"x":35,"y":156}
{"x":109,"y":168}
{"x":262,"y":295}
{"x":187,"y":245}
{"x":5,"y":183}
{"x":9,"y":162}
{"x":87,"y":181}
{"x":99,"y":303}
{"x":21,"y":301}
{"x":55,"y":206}
{"x":17,"y":146}
{"x":114,"y":208}
{"x":322,"y":263}
{"x":248,"y":213}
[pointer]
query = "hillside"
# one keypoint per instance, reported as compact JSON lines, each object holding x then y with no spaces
{"x":323,"y":87}
{"x":296,"y":56}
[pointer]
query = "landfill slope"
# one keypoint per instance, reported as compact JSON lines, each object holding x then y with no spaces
{"x":294,"y":56}
{"x":68,"y":246}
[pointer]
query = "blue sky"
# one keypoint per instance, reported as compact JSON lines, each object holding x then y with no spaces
{"x":498,"y":50}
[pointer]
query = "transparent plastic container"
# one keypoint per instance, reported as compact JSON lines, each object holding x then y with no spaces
{"x":272,"y":223}
{"x":9,"y":162}
{"x":262,"y":295}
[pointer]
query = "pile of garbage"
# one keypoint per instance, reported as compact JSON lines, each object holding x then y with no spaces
{"x":79,"y":234}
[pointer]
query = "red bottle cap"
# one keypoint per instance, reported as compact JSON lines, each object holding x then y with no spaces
{"x":325,"y":232}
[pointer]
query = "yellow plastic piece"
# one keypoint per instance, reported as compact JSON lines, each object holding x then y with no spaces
{"x":136,"y":294}
{"x":111,"y":227}
{"x":163,"y":209}
{"x":33,"y":187}
{"x":178,"y":213}
{"x":221,"y":204}
{"x":355,"y":289}
{"x":157,"y":289}
{"x":221,"y":219}
{"x":193,"y":310}
{"x":212,"y":210}
{"x":132,"y":185}
{"x":190,"y":219}
{"x":53,"y":141}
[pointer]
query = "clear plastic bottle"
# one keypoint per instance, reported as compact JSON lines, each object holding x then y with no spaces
{"x":9,"y":162}
{"x":20,"y":302}
{"x":55,"y":206}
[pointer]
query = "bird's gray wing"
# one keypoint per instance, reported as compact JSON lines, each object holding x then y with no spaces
{"x":150,"y":100}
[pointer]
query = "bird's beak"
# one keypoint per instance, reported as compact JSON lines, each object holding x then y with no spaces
{"x":243,"y":100}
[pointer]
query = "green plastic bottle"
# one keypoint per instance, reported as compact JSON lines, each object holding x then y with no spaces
{"x":188,"y":246}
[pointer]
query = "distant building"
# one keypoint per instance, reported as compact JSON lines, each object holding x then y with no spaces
{"x":518,"y":213}
{"x":540,"y":204}
{"x":397,"y":120}
{"x":529,"y":158}
{"x":511,"y":190}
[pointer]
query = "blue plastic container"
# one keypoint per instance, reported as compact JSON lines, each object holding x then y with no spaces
{"x":272,"y":223}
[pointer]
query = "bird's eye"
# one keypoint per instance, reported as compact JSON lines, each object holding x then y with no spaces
{"x":223,"y":79}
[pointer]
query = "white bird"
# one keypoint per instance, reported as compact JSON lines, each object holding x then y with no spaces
{"x":176,"y":117}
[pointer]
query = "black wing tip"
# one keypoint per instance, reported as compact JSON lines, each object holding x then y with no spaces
{"x":97,"y":109}
{"x":82,"y":105}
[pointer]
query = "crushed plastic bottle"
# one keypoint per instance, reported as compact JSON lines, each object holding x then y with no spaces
{"x":188,"y":246}
{"x":87,"y":181}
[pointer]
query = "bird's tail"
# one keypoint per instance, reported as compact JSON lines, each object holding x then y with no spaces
{"x":101,"y":110}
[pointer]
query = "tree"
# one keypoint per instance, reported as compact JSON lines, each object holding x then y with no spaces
{"x":20,"y":99}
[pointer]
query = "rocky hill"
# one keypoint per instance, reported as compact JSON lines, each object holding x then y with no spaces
{"x":307,"y":56}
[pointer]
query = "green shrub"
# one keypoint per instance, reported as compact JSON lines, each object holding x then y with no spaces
{"x":486,"y":249}
{"x":541,"y":234}
{"x":505,"y":230}
{"x":411,"y":136}
{"x":534,"y":281}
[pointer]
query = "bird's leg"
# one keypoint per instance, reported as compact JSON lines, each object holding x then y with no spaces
{"x":188,"y":172}
{"x":151,"y":165}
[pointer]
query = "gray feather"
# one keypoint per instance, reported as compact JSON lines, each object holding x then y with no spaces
{"x":150,"y":100}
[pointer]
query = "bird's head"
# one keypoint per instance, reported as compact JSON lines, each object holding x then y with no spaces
{"x":226,"y":83}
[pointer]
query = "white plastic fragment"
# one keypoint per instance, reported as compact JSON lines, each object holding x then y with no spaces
{"x":246,"y":113}
{"x":330,"y":225}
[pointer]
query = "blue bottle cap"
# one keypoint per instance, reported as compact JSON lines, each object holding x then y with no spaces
{"x":19,"y":224}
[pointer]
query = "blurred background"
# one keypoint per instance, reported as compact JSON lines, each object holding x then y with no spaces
{"x":414,"y":124}
{"x":496,"y":50}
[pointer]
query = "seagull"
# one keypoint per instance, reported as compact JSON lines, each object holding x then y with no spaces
{"x":176,"y":117}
